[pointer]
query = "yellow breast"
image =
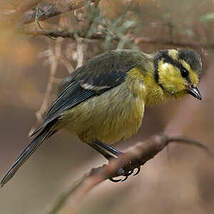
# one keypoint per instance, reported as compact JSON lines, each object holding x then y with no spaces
{"x":110,"y":117}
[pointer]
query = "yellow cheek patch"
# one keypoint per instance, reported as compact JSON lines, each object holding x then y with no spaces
{"x":170,"y":77}
{"x":168,"y":70}
{"x":194,"y":78}
{"x":192,"y":75}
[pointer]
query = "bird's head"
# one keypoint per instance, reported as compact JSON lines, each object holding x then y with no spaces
{"x":177,"y":72}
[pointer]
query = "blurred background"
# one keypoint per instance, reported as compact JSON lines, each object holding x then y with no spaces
{"x":178,"y":180}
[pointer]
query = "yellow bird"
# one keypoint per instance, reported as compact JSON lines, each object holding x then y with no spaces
{"x":103,"y":101}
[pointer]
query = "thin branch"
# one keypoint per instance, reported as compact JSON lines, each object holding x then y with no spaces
{"x":80,"y":52}
{"x":100,"y":36}
{"x":53,"y":68}
{"x":63,"y":34}
{"x":138,"y":155}
{"x":52,"y":9}
{"x":54,"y":61}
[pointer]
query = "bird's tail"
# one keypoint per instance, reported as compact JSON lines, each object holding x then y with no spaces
{"x":28,"y":151}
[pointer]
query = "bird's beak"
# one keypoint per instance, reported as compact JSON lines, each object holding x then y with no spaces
{"x":194,"y":92}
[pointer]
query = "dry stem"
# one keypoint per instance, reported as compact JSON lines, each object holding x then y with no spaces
{"x":138,"y":41}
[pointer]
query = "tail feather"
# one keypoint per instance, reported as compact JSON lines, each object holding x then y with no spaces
{"x":28,"y":151}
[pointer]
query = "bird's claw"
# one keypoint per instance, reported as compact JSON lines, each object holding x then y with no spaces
{"x":126,"y":175}
{"x":125,"y":178}
{"x":115,"y":180}
{"x":137,"y":172}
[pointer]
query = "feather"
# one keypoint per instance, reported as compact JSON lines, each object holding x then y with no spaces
{"x":28,"y":151}
{"x":97,"y":76}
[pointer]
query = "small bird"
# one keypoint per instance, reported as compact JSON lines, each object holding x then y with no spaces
{"x":103,"y":101}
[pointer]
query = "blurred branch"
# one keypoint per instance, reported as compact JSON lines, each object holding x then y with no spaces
{"x":64,"y":34}
{"x":101,"y":36}
{"x":54,"y":59}
{"x":51,"y":9}
{"x":137,"y":156}
{"x":80,"y":53}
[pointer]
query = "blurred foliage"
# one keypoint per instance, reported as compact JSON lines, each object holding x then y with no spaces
{"x":207,"y":17}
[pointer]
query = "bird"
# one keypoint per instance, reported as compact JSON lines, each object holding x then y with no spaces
{"x":103,"y":101}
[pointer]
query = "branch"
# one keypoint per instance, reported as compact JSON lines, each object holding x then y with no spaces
{"x":137,"y":156}
{"x":101,"y":36}
{"x":52,"y":9}
{"x":64,"y":34}
{"x":54,"y":57}
{"x":54,"y":60}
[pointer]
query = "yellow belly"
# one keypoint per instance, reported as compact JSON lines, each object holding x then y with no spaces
{"x":110,"y":117}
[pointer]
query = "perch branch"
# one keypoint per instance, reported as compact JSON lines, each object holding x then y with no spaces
{"x":138,"y":155}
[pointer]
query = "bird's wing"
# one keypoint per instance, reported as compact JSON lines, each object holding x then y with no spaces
{"x":98,"y":75}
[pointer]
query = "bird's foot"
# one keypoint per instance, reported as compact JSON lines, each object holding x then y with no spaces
{"x":126,"y":172}
{"x":110,"y":153}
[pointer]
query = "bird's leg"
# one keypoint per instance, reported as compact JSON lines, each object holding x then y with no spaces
{"x":109,"y":148}
{"x":109,"y":153}
{"x":115,"y":152}
{"x":102,"y":151}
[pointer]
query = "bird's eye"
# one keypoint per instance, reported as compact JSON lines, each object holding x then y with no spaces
{"x":184,"y":72}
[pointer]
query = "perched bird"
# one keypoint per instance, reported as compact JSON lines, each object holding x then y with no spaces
{"x":103,"y":101}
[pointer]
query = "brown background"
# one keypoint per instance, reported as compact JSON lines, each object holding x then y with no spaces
{"x":178,"y":181}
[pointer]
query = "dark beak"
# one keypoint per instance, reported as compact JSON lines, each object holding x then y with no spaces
{"x":194,"y":92}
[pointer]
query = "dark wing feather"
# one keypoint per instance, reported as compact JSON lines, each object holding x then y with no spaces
{"x":98,"y":75}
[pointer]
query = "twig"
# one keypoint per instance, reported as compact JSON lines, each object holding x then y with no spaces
{"x":54,"y":61}
{"x":100,"y":36}
{"x":138,"y":155}
{"x":63,"y":34}
{"x":52,"y":9}
{"x":53,"y":68}
{"x":80,"y":53}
